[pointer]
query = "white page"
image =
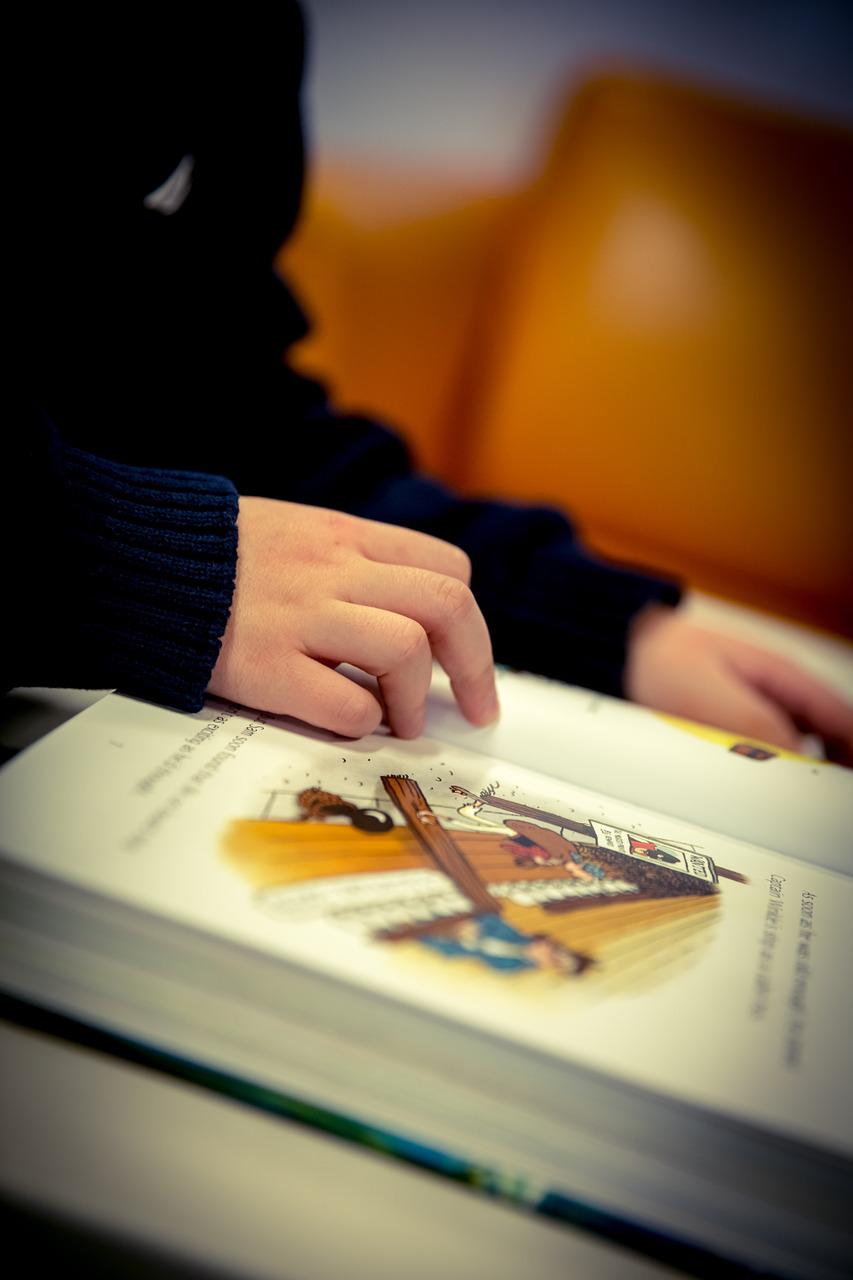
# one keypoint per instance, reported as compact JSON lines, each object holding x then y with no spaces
{"x":736,"y":1000}
{"x":795,"y":805}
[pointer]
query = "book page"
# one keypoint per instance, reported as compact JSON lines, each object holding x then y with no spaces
{"x":586,"y":928}
{"x":737,"y":786}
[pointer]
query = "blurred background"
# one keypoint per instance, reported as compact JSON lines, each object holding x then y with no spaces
{"x":598,"y":255}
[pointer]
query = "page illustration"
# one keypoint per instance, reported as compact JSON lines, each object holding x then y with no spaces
{"x":482,"y":877}
{"x":577,"y":923}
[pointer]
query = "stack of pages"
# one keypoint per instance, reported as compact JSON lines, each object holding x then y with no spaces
{"x":594,"y":960}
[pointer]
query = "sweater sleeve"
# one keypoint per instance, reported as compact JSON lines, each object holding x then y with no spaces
{"x":552,"y":606}
{"x":174,"y":367}
{"x":122,"y":575}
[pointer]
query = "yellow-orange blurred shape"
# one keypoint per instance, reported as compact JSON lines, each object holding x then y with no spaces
{"x":654,"y":334}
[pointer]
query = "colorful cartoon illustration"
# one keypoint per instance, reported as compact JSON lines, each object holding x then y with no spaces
{"x":506,"y":885}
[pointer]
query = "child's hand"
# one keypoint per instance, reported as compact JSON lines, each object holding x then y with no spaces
{"x":683,"y":669}
{"x":316,"y":588}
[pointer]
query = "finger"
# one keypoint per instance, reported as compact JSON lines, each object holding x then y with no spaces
{"x":389,"y":646}
{"x":457,"y":631}
{"x":325,"y":698}
{"x":728,"y":700}
{"x":389,"y":544}
{"x":816,"y":708}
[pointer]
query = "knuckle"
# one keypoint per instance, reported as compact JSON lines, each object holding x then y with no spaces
{"x":339,"y":526}
{"x":484,"y":675}
{"x":409,"y":640}
{"x":455,"y":599}
{"x":462,"y":562}
{"x":357,"y":712}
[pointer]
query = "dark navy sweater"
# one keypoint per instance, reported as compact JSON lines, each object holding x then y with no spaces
{"x":154,"y":187}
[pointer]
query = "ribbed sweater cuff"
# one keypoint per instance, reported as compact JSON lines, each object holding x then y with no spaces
{"x":154,"y":558}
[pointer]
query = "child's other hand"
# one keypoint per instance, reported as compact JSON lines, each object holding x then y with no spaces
{"x":685,"y":670}
{"x":316,"y":588}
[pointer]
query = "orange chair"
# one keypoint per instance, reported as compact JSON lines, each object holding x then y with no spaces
{"x":672,"y":361}
{"x":654,"y":335}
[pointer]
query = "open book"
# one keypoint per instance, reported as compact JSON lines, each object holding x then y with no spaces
{"x":551,"y":959}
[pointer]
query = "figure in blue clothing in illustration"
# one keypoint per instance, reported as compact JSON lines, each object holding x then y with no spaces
{"x":508,"y":890}
{"x":499,"y":945}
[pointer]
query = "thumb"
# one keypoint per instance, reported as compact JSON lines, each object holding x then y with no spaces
{"x":735,"y":704}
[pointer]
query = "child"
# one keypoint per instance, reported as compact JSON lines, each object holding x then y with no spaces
{"x":153,"y":326}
